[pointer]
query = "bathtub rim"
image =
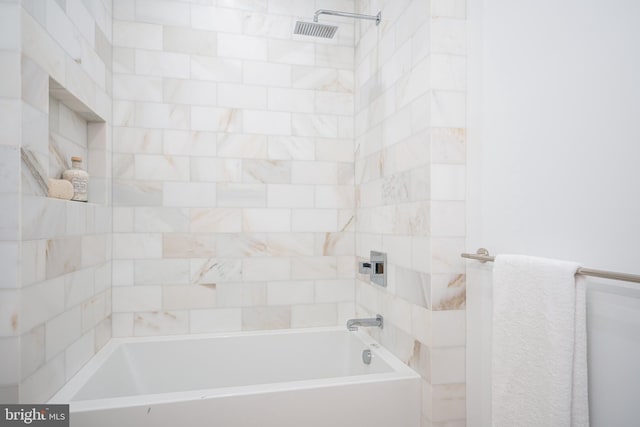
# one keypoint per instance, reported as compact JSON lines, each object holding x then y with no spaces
{"x":399,"y":371}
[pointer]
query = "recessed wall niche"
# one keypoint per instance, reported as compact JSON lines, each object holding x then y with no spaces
{"x":76,"y":130}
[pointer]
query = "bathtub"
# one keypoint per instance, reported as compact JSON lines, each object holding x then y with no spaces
{"x":293,"y":378}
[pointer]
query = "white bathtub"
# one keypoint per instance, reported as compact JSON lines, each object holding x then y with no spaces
{"x":294,"y":378}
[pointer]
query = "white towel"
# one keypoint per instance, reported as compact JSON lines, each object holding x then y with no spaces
{"x":539,"y":363}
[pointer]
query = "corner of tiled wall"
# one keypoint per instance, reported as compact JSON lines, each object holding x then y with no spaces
{"x":410,"y":189}
{"x":60,"y":250}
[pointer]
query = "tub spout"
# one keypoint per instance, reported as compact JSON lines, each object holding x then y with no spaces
{"x":352,"y":324}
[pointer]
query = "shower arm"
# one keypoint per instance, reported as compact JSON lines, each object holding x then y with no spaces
{"x":376,"y":18}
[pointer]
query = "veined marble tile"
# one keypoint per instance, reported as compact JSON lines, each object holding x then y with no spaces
{"x":210,"y":169}
{"x":61,"y":331}
{"x":216,"y":119}
{"x":161,"y":168}
{"x":242,"y":146}
{"x":137,"y":88}
{"x":33,"y":254}
{"x":210,"y":220}
{"x":137,"y":141}
{"x":241,"y":195}
{"x":96,"y":250}
{"x":313,"y":315}
{"x":162,"y":64}
{"x":266,"y":171}
{"x":268,"y":25}
{"x":217,"y":19}
{"x":266,"y":74}
{"x":188,"y":297}
{"x":290,"y":196}
{"x":266,"y":220}
{"x":238,"y":245}
{"x":267,"y":122}
{"x":41,"y":302}
{"x":213,"y":271}
{"x":78,"y":287}
{"x":334,"y":150}
{"x":413,"y":286}
{"x":161,"y":322}
{"x":215,"y":320}
{"x":259,"y":318}
{"x":242,"y":47}
{"x":161,"y":272}
{"x":190,"y":92}
{"x":334,"y":291}
{"x":10,"y":310}
{"x":187,"y":40}
{"x":290,"y":292}
{"x":163,"y":116}
{"x":448,"y":291}
{"x":291,"y":52}
{"x":136,"y":298}
{"x":189,"y":194}
{"x":292,"y":100}
{"x":266,"y":268}
{"x":63,"y":255}
{"x":216,"y":69}
{"x":231,"y":95}
{"x":241,"y":294}
{"x":291,"y":148}
{"x":137,"y":245}
{"x":447,"y":218}
{"x":188,"y":143}
{"x":181,"y":245}
{"x":32,"y":348}
{"x":314,"y":220}
{"x":122,"y":325}
{"x":314,"y":173}
{"x":448,"y":145}
{"x":331,"y":244}
{"x":320,"y":78}
{"x":314,"y":125}
{"x":79,"y":353}
{"x":160,"y":219}
{"x":137,"y":35}
{"x":319,"y":267}
{"x":137,"y":193}
{"x":290,"y":244}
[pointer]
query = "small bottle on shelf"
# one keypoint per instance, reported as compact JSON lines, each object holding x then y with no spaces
{"x":79,"y":178}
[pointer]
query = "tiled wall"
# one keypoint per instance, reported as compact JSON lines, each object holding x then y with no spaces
{"x":233,"y":168}
{"x":58,"y":312}
{"x":409,"y":173}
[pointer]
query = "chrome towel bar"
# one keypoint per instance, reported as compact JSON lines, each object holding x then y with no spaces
{"x":483,"y":256}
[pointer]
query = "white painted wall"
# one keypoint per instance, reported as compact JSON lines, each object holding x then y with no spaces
{"x":553,"y":171}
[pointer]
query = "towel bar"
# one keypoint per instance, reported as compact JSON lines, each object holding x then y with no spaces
{"x":483,"y":256}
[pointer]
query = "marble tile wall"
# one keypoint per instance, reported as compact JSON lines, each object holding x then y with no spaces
{"x":56,"y":313}
{"x":409,"y":175}
{"x":233,"y":168}
{"x":10,"y":136}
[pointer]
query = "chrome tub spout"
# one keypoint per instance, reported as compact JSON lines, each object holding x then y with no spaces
{"x":352,"y":324}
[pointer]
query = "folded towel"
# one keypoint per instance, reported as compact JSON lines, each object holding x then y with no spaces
{"x":539,"y":368}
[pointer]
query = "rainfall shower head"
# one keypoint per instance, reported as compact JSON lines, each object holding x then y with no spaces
{"x":328,"y":31}
{"x":314,"y":29}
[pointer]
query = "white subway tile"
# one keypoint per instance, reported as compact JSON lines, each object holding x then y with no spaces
{"x":162,"y":168}
{"x":216,"y":119}
{"x":315,"y":220}
{"x":162,"y":322}
{"x":215,"y":220}
{"x":217,"y":19}
{"x":216,"y":69}
{"x":61,"y":331}
{"x":289,"y":293}
{"x":266,"y":122}
{"x":162,"y":12}
{"x":293,"y":100}
{"x":242,"y":47}
{"x":241,"y":96}
{"x":188,"y":297}
{"x":314,"y":173}
{"x":189,"y":92}
{"x":266,"y":74}
{"x":215,"y":320}
{"x":266,"y":268}
{"x":137,"y":35}
{"x":290,"y":196}
{"x":137,"y":298}
{"x":242,"y":195}
{"x":291,"y":52}
{"x":306,"y":316}
{"x":162,"y":64}
{"x":191,"y":194}
{"x":137,"y":245}
{"x":266,"y":220}
{"x":187,"y":40}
